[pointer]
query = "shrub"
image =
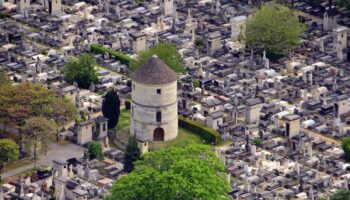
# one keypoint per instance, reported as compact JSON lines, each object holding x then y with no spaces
{"x":208,"y":134}
{"x":98,"y":49}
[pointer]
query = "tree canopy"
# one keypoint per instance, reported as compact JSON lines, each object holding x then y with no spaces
{"x":191,"y":172}
{"x":32,"y":100}
{"x":4,"y":79}
{"x":111,"y":108}
{"x":341,"y":195}
{"x":9,"y":151}
{"x":95,"y":150}
{"x":275,"y":28}
{"x":166,"y":52}
{"x":345,"y":144}
{"x":82,"y":71}
{"x":26,"y":100}
{"x":132,"y":154}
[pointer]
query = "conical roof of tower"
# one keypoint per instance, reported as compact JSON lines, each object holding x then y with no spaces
{"x":154,"y":72}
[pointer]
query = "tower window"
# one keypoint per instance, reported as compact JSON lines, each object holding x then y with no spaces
{"x":159,"y":116}
{"x":159,"y":91}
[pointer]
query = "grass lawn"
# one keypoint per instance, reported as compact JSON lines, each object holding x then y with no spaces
{"x":124,"y":119}
{"x":183,"y":138}
{"x":16,"y":164}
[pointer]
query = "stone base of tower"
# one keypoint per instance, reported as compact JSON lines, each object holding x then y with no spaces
{"x":154,"y":132}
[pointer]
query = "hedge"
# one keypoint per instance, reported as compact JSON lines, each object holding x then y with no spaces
{"x":98,"y":49}
{"x":208,"y":134}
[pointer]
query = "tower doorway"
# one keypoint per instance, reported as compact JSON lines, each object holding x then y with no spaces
{"x":158,"y":134}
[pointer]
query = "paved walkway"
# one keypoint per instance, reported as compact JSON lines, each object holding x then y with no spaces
{"x":56,"y":152}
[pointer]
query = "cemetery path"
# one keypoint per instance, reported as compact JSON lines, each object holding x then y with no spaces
{"x":56,"y":152}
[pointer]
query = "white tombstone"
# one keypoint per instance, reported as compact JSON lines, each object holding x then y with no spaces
{"x":246,"y":184}
{"x":297,"y":167}
{"x":309,"y":150}
{"x":253,"y":150}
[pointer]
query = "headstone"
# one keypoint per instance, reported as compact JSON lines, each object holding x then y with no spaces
{"x":253,"y":150}
{"x":297,"y":167}
{"x":309,"y":150}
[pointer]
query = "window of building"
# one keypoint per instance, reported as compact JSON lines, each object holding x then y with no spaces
{"x":104,"y":126}
{"x":159,"y":116}
{"x":133,"y":86}
{"x":159,"y":91}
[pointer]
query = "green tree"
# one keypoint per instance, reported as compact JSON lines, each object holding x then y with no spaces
{"x":9,"y":151}
{"x":95,"y":150}
{"x":62,"y":111}
{"x":81,"y":70}
{"x":344,"y":3}
{"x":345,"y":144}
{"x":191,"y":172}
{"x":275,"y":28}
{"x":38,"y":131}
{"x":132,"y":154}
{"x":166,"y":52}
{"x":341,"y":195}
{"x":4,"y":79}
{"x":111,"y":108}
{"x":257,"y":141}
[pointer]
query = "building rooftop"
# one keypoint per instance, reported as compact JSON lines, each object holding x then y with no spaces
{"x":154,"y":72}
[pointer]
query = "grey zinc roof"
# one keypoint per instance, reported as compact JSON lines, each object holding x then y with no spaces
{"x":291,"y":117}
{"x":253,"y":101}
{"x":154,"y":72}
{"x":216,"y":115}
{"x":212,"y":102}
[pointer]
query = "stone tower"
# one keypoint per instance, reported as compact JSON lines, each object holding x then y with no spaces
{"x":154,"y":102}
{"x":167,"y":7}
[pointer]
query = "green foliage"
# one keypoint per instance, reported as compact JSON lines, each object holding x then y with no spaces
{"x":345,"y":144}
{"x":341,"y":195}
{"x":344,"y":3}
{"x":174,"y":173}
{"x":99,"y":49}
{"x":196,"y":83}
{"x":124,"y":119}
{"x":257,"y":141}
{"x":31,"y":100}
{"x":38,"y":130}
{"x":166,"y":52}
{"x":4,"y":79}
{"x":199,"y":42}
{"x":4,"y":15}
{"x":9,"y":151}
{"x":314,"y":2}
{"x":111,"y":108}
{"x":275,"y":28}
{"x":82,"y":71}
{"x":132,"y":154}
{"x":208,"y":134}
{"x":95,"y":150}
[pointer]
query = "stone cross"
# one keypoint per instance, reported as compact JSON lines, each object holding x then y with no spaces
{"x":218,"y":5}
{"x":107,"y":6}
{"x":117,"y":10}
{"x":322,"y":45}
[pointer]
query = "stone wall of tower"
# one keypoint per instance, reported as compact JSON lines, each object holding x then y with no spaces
{"x":147,"y":100}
